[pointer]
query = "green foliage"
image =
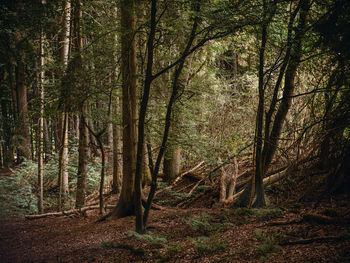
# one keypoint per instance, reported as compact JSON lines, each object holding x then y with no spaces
{"x":51,"y":174}
{"x":174,"y":197}
{"x":205,"y":245}
{"x":267,"y":214}
{"x":261,"y":214}
{"x":105,"y":244}
{"x":173,"y":248}
{"x":17,"y":194}
{"x":268,"y":245}
{"x":150,"y":238}
{"x":242,"y":211}
{"x":201,"y":224}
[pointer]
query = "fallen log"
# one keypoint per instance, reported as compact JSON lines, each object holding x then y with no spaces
{"x":68,"y":212}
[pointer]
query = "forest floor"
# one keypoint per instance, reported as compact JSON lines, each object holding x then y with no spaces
{"x":311,"y":227}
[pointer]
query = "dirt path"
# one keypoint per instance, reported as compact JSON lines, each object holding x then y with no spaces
{"x":196,"y":235}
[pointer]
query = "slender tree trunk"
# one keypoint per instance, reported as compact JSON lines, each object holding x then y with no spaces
{"x":47,"y":141}
{"x":258,"y":177}
{"x":7,"y":148}
{"x":173,"y":97}
{"x":289,"y":85}
{"x":109,"y":165}
{"x":23,"y":135}
{"x":41,"y":129}
{"x":117,"y":147}
{"x":57,"y":129}
{"x":63,"y":164}
{"x":63,"y":154}
{"x":117,"y":160}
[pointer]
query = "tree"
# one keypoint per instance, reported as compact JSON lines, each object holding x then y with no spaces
{"x":83,"y":148}
{"x":63,"y":150}
{"x":265,"y":149}
{"x":41,"y":126}
{"x":125,"y":204}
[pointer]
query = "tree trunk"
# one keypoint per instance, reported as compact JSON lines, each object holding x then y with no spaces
{"x":117,"y":160}
{"x":63,"y":154}
{"x":289,"y":86}
{"x":57,"y":129}
{"x":83,"y":161}
{"x":63,"y":164}
{"x":125,"y":206}
{"x":47,"y":141}
{"x":41,"y":129}
{"x":172,"y":161}
{"x":7,"y":149}
{"x":23,"y":136}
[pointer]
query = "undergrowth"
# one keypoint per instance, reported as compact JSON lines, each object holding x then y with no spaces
{"x":203,"y":225}
{"x":18,"y":192}
{"x":205,"y":245}
{"x":262,"y":214}
{"x":268,"y":244}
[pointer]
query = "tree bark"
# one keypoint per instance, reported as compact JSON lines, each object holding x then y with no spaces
{"x":41,"y":129}
{"x":63,"y":150}
{"x":117,"y":160}
{"x":63,"y":164}
{"x":83,"y":161}
{"x":23,"y":136}
{"x":7,"y":148}
{"x":125,"y":206}
{"x":172,"y":161}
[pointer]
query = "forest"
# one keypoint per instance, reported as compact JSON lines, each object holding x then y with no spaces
{"x":175,"y":131}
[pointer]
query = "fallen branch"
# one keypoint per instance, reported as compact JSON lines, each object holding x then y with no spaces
{"x":227,"y":161}
{"x":68,"y":212}
{"x":315,"y":239}
{"x":180,"y":176}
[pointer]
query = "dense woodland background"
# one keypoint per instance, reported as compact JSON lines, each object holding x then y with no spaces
{"x":111,"y":97}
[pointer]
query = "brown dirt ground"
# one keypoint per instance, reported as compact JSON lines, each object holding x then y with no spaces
{"x":226,"y":235}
